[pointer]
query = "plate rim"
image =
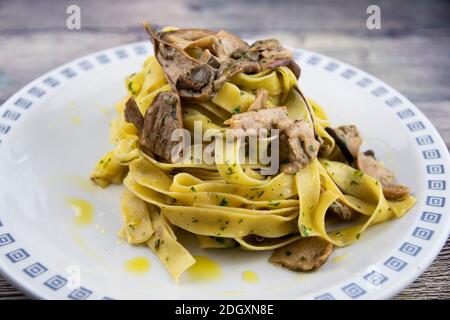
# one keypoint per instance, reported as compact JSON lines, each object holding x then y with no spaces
{"x":34,"y":290}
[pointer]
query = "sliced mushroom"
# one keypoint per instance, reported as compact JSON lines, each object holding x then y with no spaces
{"x":133,"y":114}
{"x":304,"y":254}
{"x":342,"y":211}
{"x":260,"y":101}
{"x":296,"y":136}
{"x":160,"y":120}
{"x":231,"y":67}
{"x":376,"y":169}
{"x":348,"y":140}
{"x":272,"y":55}
{"x":224,"y":44}
{"x":184,"y":38}
{"x":188,"y":77}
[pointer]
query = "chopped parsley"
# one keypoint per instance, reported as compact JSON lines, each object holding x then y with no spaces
{"x":194,"y":220}
{"x":193,"y":189}
{"x":224,"y":202}
{"x":359,"y":173}
{"x":130,"y":88}
{"x":305,"y":231}
{"x":157,"y":244}
{"x":240,"y":221}
{"x":237,"y":110}
{"x":358,"y":235}
{"x":230,"y":171}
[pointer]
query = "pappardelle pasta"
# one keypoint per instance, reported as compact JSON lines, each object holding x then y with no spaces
{"x":323,"y":193}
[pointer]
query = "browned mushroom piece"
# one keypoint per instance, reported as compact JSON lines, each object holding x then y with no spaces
{"x":304,"y":254}
{"x":272,"y":55}
{"x":348,"y":140}
{"x":197,"y":62}
{"x":161,"y":119}
{"x":342,"y":211}
{"x":230,"y":67}
{"x":222,"y":44}
{"x":187,"y":76}
{"x":133,"y":114}
{"x":184,"y":38}
{"x":376,"y":169}
{"x":296,"y":135}
{"x":260,"y":101}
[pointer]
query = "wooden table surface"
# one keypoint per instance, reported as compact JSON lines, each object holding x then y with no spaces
{"x":411,"y":52}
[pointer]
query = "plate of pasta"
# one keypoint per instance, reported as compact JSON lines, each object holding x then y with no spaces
{"x":198,"y":165}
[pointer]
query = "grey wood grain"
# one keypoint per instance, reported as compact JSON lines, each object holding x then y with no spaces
{"x":411,"y":52}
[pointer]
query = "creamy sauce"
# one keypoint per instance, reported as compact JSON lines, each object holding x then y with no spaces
{"x":204,"y":269}
{"x":250,"y":277}
{"x":341,"y":258}
{"x":84,"y":211}
{"x":138,"y":265}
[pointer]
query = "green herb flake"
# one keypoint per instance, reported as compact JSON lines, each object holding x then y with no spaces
{"x":194,"y":220}
{"x":305,"y":231}
{"x":240,"y":221}
{"x":230,"y":171}
{"x":130,"y":88}
{"x":237,"y":110}
{"x":157,"y":244}
{"x":193,"y":189}
{"x":358,"y":235}
{"x":224,"y":202}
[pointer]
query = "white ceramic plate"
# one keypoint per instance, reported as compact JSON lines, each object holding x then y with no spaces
{"x":55,"y":129}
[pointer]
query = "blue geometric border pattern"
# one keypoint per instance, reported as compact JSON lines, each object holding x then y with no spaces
{"x":375,"y":278}
{"x":35,"y":270}
{"x":422,"y":233}
{"x":353,"y":290}
{"x":395,"y":264}
{"x":80,"y":294}
{"x":416,"y":126}
{"x":411,"y":249}
{"x":12,"y":113}
{"x":325,"y":296}
{"x":17,"y":255}
{"x":56,"y":282}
